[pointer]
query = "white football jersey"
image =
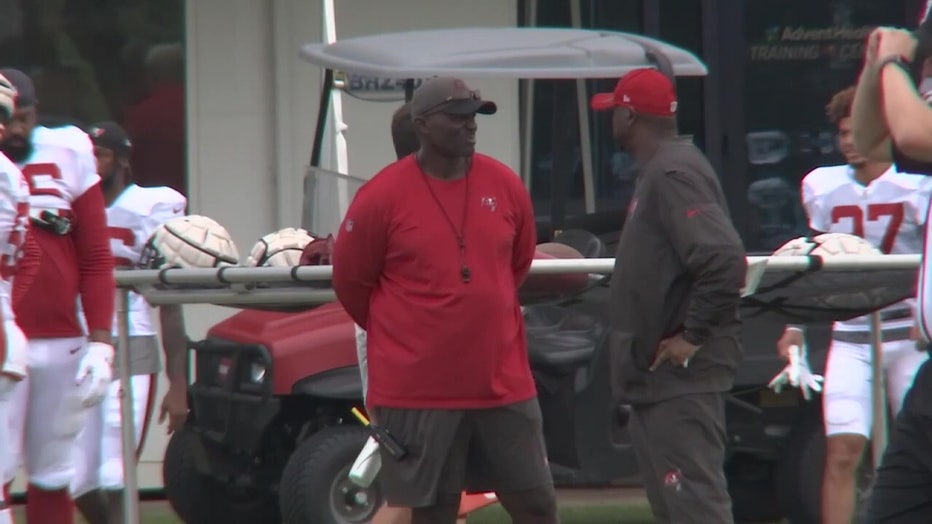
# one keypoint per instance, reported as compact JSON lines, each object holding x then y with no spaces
{"x":14,"y":220}
{"x":131,"y":220}
{"x":890,"y":213}
{"x":60,"y":169}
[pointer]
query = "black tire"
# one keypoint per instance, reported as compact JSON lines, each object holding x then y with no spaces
{"x":799,"y":477}
{"x":751,"y":486}
{"x":315,"y":489}
{"x":198,"y":499}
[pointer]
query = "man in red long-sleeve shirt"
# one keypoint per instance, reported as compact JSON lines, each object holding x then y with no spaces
{"x":428,"y":260}
{"x":67,"y":371}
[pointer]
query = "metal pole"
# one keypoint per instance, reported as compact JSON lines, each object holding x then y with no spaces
{"x":878,"y":393}
{"x":585,"y":137}
{"x":527,"y":112}
{"x":127,"y":424}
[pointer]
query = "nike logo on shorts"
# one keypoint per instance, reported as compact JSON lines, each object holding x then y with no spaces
{"x":75,"y":350}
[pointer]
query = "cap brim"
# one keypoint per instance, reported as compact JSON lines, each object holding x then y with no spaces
{"x":603,"y":101}
{"x":466,"y":107}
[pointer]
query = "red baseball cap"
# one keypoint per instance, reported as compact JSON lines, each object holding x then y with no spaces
{"x":645,"y":91}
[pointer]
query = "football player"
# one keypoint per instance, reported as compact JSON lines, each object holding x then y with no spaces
{"x":887,"y":208}
{"x":133,"y":214}
{"x":14,"y":222}
{"x":68,"y":371}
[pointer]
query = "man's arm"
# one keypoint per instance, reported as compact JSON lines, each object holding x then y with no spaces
{"x":359,"y":253}
{"x":908,"y":116}
{"x":175,"y":347}
{"x":95,"y":263}
{"x":870,"y":134}
{"x":27,"y":267}
{"x":526,"y":238}
{"x":708,"y":246}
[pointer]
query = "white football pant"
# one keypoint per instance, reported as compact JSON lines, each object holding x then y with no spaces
{"x":7,"y":385}
{"x":46,"y":415}
{"x":99,"y":450}
{"x":846,"y":400}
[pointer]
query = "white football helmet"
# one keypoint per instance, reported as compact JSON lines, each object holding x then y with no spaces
{"x":827,"y":245}
{"x":279,"y":249}
{"x":192,"y":241}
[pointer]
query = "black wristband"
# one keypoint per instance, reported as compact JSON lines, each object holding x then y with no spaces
{"x":898,"y":60}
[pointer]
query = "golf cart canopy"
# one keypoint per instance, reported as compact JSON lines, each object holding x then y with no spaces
{"x":505,"y":52}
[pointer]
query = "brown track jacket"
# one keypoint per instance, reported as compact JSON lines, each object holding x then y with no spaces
{"x":680,"y":265}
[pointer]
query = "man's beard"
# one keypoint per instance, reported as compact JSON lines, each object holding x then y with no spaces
{"x":108,"y":182}
{"x":16,"y":149}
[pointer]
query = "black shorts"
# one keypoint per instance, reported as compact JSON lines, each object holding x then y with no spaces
{"x":497,"y":449}
{"x":902,"y":493}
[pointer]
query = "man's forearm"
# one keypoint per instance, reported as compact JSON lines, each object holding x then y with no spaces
{"x":870,"y":131}
{"x":908,"y":117}
{"x":174,"y":343}
{"x":716,"y":293}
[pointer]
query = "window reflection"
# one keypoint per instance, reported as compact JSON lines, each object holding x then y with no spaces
{"x":798,"y":54}
{"x":94,"y":60}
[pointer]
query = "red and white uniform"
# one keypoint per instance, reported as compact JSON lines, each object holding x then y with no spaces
{"x":14,"y":221}
{"x":890,"y":213}
{"x":131,"y":219}
{"x":62,"y":176}
{"x":47,"y":412}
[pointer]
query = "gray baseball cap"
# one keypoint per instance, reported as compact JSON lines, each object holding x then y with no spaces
{"x":448,"y":95}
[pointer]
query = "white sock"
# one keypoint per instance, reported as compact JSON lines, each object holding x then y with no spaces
{"x":6,"y":516}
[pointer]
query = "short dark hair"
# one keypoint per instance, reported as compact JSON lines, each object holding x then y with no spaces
{"x":404,"y":136}
{"x":839,"y":106}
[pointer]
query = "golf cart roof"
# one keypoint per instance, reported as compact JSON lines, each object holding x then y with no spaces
{"x":505,"y":52}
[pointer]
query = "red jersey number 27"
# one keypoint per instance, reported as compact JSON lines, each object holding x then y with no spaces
{"x":893,"y":212}
{"x":41,"y":178}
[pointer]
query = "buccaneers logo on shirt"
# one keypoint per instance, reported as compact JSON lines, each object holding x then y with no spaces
{"x":488,"y":202}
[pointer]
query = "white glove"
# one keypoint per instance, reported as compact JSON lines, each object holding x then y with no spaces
{"x":798,"y":375}
{"x":95,"y":373}
{"x":7,"y":97}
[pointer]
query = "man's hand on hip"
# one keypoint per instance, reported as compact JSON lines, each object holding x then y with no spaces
{"x":675,"y":350}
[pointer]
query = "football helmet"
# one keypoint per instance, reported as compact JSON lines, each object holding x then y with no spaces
{"x":282,"y":248}
{"x":192,"y":241}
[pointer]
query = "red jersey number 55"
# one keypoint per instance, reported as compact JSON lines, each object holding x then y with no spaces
{"x":41,"y":178}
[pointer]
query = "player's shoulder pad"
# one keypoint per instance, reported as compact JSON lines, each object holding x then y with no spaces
{"x":147,"y":201}
{"x":10,"y":175}
{"x":67,"y":137}
{"x":822,"y":180}
{"x":909,"y":181}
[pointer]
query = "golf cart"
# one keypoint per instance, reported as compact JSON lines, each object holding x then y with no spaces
{"x":270,"y":436}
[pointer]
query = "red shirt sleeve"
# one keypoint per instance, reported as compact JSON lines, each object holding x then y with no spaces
{"x":26,"y":268}
{"x":359,"y":254}
{"x":526,"y":237}
{"x":95,"y":263}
